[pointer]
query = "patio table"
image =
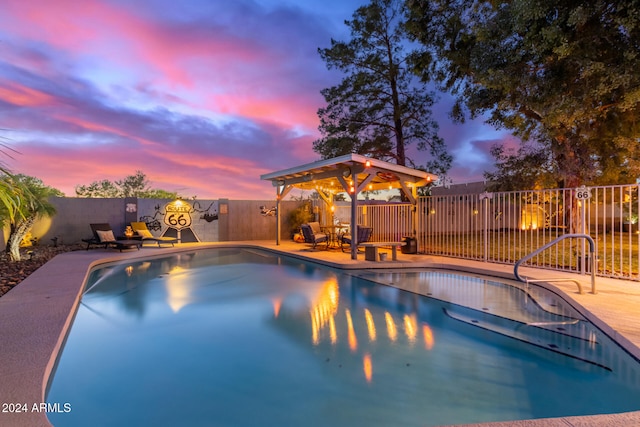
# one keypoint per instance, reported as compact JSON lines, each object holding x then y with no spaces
{"x":333,"y":232}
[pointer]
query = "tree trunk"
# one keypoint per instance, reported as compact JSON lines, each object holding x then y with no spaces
{"x":16,"y":235}
{"x":572,"y":171}
{"x":573,"y":209}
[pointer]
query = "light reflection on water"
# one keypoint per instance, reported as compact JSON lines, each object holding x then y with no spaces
{"x":232,"y":337}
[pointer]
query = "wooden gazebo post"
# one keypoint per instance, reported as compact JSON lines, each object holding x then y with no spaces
{"x":353,"y":191}
{"x":281,"y":191}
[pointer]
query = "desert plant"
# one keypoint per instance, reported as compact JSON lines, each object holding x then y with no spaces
{"x":30,"y":202}
{"x":298,"y":216}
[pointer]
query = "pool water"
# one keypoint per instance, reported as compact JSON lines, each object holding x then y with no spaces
{"x":239,"y":337}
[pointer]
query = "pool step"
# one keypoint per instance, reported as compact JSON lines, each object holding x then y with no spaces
{"x":564,"y":336}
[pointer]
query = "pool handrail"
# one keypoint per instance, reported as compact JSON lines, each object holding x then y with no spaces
{"x":592,"y":253}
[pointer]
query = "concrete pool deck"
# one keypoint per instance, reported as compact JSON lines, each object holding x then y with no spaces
{"x":35,"y":315}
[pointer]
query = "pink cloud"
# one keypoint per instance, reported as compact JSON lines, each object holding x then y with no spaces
{"x":245,"y":77}
{"x":288,"y":111}
{"x":66,"y":24}
{"x":189,"y":174}
{"x":93,"y":126}
{"x":23,"y":96}
{"x":202,"y":101}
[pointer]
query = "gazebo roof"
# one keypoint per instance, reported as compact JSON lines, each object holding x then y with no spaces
{"x":336,"y":175}
{"x":351,"y":173}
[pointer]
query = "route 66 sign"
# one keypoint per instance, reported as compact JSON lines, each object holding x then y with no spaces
{"x":178,"y":214}
{"x":583,"y":193}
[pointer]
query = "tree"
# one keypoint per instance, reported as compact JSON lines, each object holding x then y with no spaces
{"x":98,"y":189}
{"x":528,"y":167}
{"x":562,"y":74}
{"x":132,"y":186}
{"x":31,"y":202}
{"x":380,"y":107}
{"x":7,"y":200}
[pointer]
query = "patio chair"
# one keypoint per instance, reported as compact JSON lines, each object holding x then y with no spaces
{"x":313,"y":235}
{"x":363,"y":235}
{"x":142,"y":232}
{"x":103,"y":236}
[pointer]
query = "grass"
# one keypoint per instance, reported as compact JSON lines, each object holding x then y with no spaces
{"x":618,"y":253}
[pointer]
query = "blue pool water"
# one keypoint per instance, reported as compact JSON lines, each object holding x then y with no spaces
{"x":238,"y":337}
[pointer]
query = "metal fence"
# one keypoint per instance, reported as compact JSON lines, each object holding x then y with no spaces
{"x":504,"y":227}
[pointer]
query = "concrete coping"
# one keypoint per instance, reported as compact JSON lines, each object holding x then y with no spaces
{"x":36,"y":315}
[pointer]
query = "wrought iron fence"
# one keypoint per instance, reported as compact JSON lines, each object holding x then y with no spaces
{"x":504,"y":227}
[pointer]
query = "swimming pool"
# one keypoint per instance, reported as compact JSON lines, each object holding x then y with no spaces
{"x":232,"y":337}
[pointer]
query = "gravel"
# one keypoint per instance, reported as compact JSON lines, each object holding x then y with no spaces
{"x":12,"y":273}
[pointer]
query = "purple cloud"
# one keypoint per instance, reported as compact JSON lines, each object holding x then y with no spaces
{"x":203,"y":98}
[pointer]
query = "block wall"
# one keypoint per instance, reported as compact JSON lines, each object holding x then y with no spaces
{"x":210,"y":220}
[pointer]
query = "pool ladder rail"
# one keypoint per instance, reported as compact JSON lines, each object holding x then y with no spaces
{"x":592,"y":256}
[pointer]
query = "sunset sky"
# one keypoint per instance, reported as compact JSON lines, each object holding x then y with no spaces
{"x":203,"y":96}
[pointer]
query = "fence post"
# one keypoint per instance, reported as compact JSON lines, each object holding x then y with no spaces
{"x":584,"y":226}
{"x":583,"y":194}
{"x":485,"y":197}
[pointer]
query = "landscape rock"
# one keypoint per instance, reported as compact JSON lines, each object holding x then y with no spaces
{"x":12,"y":273}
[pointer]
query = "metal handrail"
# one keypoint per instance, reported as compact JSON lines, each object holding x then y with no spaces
{"x":592,"y":252}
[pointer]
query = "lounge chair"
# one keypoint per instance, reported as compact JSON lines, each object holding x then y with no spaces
{"x":363,"y":235}
{"x":103,"y":236}
{"x":313,"y":235}
{"x":142,"y":232}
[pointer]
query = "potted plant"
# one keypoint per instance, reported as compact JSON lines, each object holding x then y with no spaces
{"x":297,"y":217}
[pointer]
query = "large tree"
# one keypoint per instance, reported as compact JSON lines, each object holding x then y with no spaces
{"x":31,"y":201}
{"x":527,"y":167}
{"x":561,"y":74}
{"x":136,"y":185}
{"x":380,"y":107}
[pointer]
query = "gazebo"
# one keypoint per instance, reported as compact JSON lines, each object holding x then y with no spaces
{"x":351,"y":173}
